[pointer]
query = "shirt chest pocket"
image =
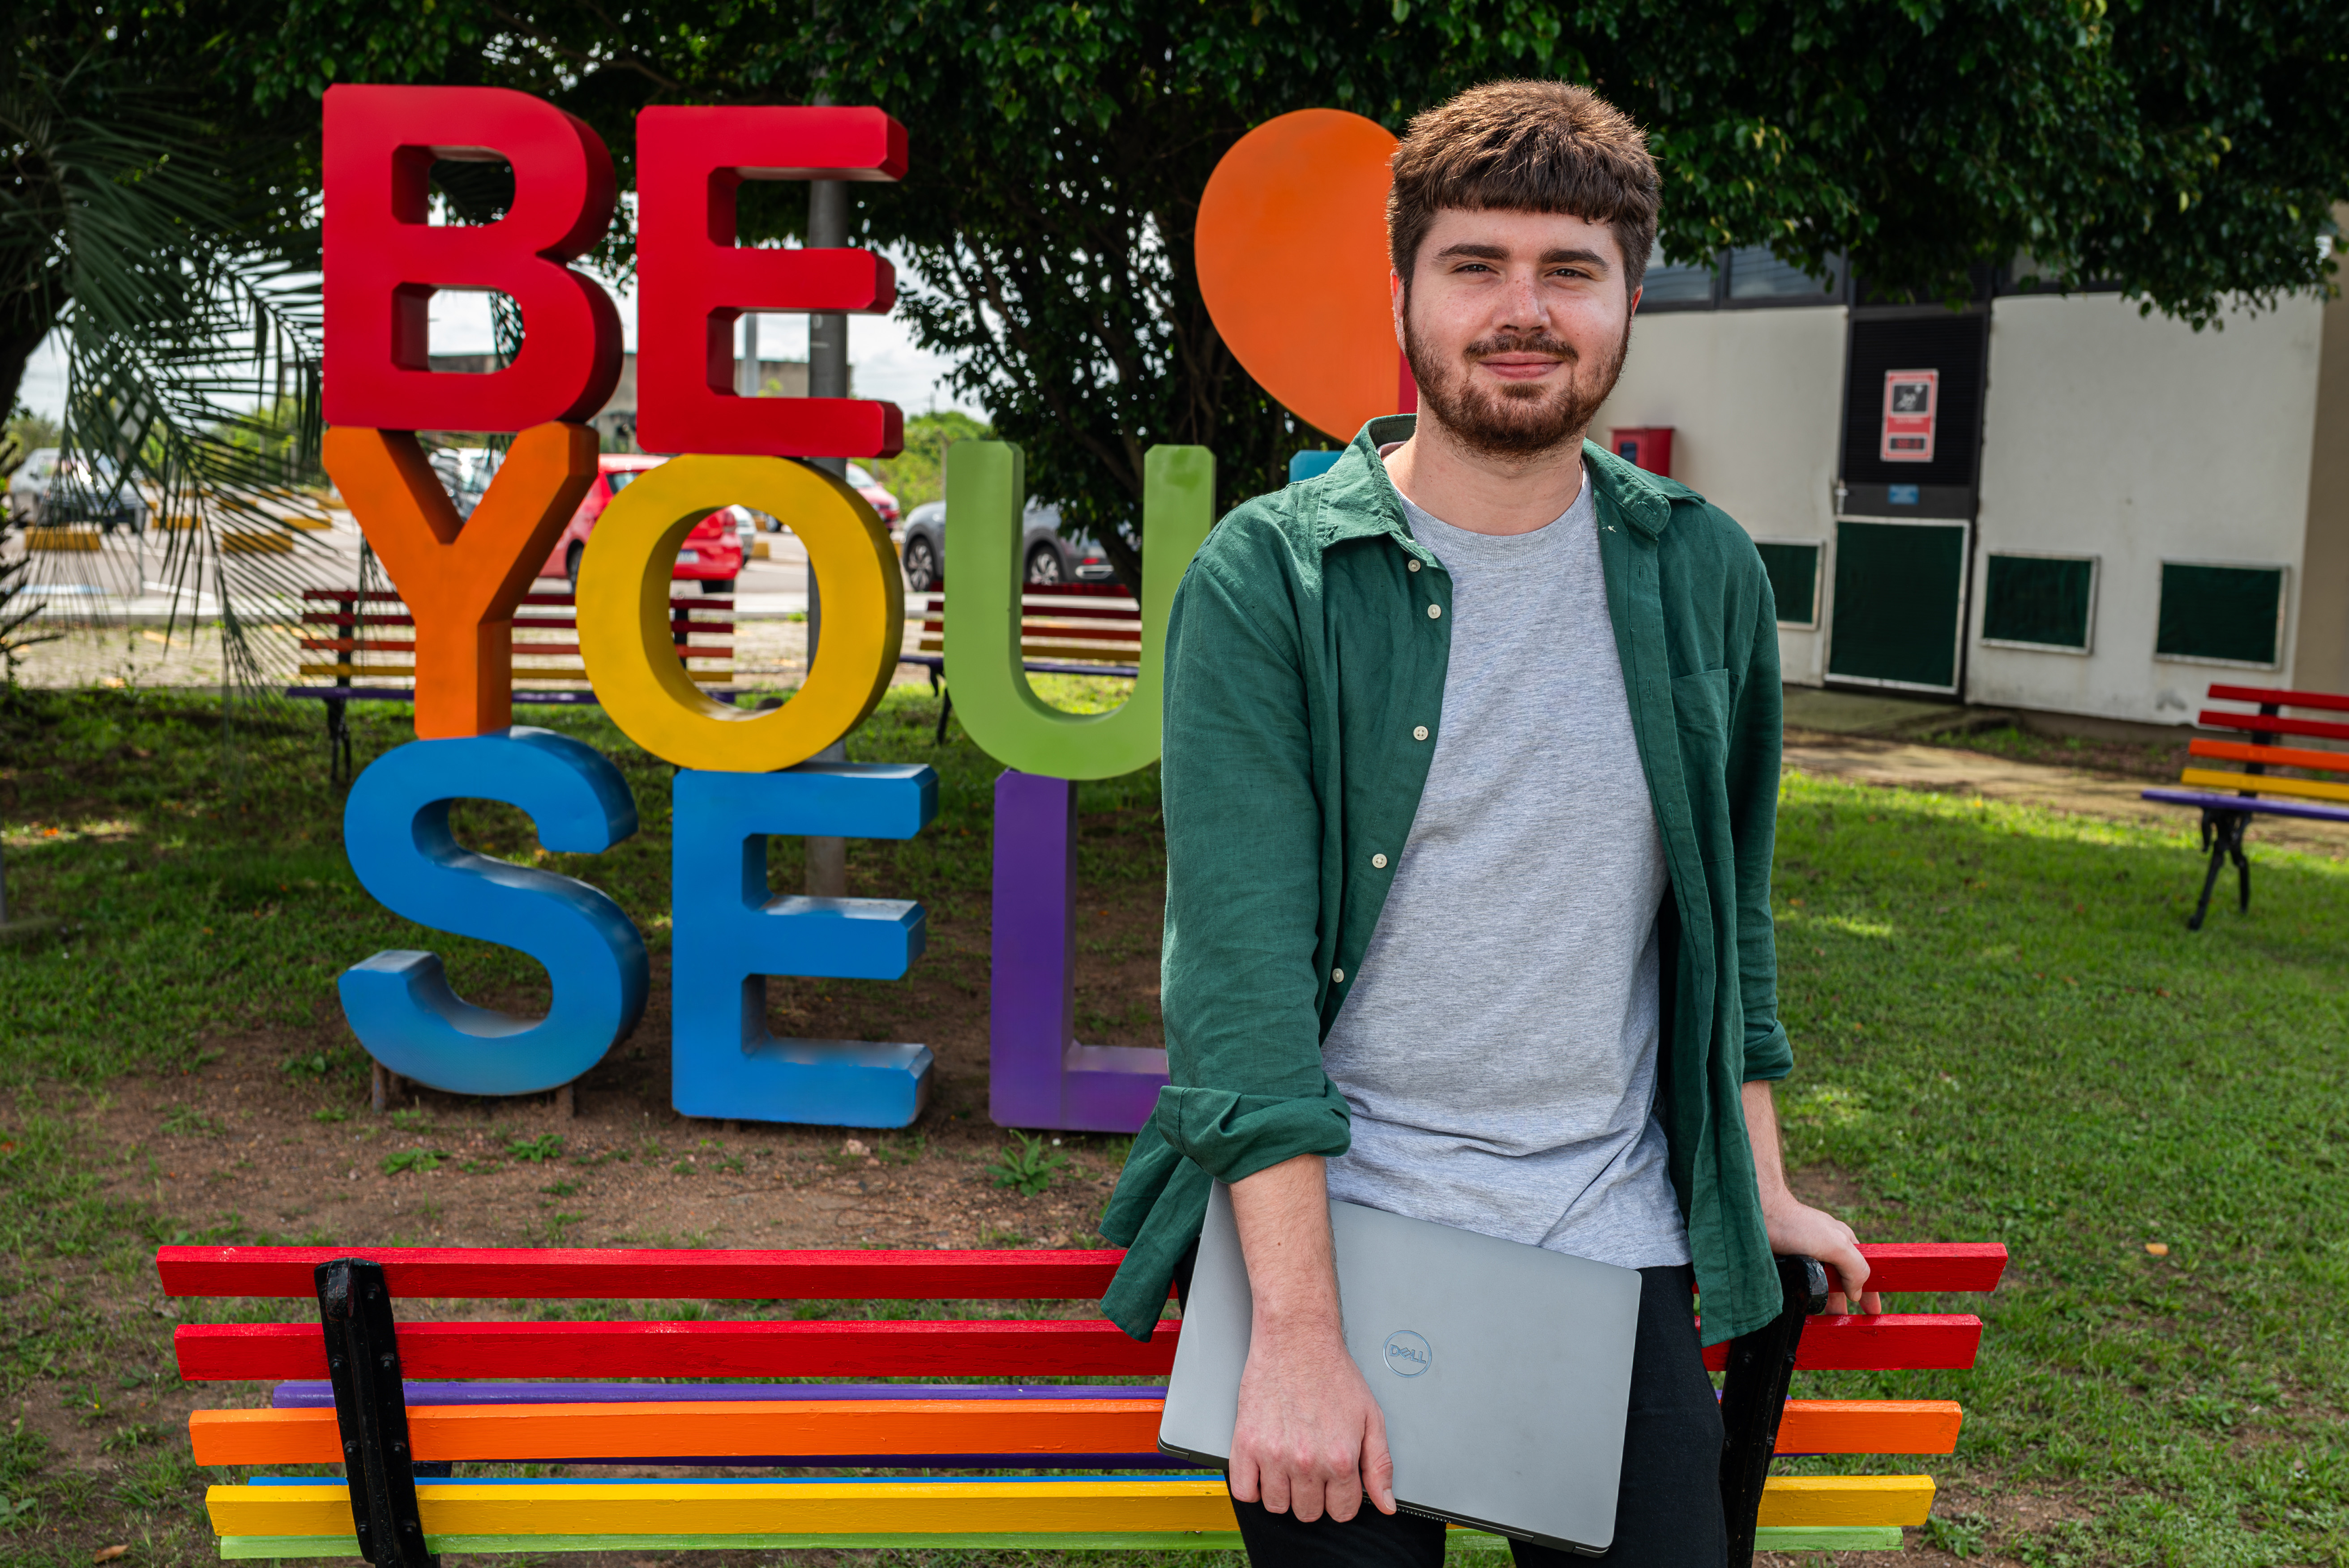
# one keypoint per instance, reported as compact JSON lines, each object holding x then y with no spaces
{"x":1701,"y":719}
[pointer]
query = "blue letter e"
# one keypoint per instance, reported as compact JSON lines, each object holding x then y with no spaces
{"x":730,"y":935}
{"x":396,"y":831}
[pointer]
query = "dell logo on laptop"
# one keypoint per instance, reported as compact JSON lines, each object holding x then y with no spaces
{"x":1407,"y":1354}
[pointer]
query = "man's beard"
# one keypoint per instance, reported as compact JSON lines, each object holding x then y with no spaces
{"x":1512,"y":421}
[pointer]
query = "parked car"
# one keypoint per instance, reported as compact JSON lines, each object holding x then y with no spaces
{"x":52,"y":488}
{"x":874,"y":495}
{"x":711,"y":554}
{"x":1046,"y":560}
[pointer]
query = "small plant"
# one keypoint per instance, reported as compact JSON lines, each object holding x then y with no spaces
{"x":16,"y":1511}
{"x":536,"y":1150}
{"x":412,"y":1120}
{"x":332,"y":1113}
{"x":1025,"y":1163}
{"x":412,"y":1159}
{"x":136,"y":1435}
{"x":187,"y":1122}
{"x":315,"y":1064}
{"x":562,"y":1188}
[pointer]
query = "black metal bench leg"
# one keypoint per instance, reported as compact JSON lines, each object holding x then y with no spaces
{"x":2222,"y":835}
{"x":945,"y":711}
{"x":371,"y":1413}
{"x":338,"y":740}
{"x":1754,"y":1400}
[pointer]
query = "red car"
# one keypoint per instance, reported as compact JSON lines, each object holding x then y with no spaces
{"x":711,"y":554}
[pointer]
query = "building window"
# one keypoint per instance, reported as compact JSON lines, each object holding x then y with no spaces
{"x":1794,"y":571}
{"x":1678,"y":285}
{"x":2220,"y":614}
{"x":1757,"y":277}
{"x":2042,"y":602}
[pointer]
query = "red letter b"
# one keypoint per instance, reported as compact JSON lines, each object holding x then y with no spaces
{"x":383,"y":261}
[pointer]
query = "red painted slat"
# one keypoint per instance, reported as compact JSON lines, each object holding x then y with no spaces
{"x":985,"y":1349}
{"x":533,"y":1273}
{"x":1893,"y":1341}
{"x":652,"y":1274}
{"x":1934,"y":1265}
{"x":2330,"y":702}
{"x":2213,"y":718}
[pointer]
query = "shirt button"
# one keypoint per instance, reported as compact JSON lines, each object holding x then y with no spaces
{"x":1418,"y":732}
{"x":1339,"y":975}
{"x":1379,"y":861}
{"x":1411,"y":565}
{"x":1434,"y":611}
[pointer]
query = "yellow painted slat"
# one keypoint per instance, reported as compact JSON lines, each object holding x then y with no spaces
{"x":2266,"y":784}
{"x":918,"y":1508}
{"x":1788,"y":1501}
{"x":911,"y":1508}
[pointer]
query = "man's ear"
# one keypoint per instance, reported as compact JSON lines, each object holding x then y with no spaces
{"x":1635,"y":300}
{"x":1396,"y":297}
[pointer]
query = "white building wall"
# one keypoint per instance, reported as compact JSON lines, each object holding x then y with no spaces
{"x":2137,"y":439}
{"x":1755,"y":401}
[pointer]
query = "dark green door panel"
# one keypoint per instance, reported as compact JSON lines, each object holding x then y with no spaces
{"x":1899,"y":589}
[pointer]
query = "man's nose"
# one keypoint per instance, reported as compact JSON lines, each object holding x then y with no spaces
{"x":1521,"y":302}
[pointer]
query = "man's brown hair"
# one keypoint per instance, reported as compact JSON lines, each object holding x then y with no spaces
{"x":1525,"y":147}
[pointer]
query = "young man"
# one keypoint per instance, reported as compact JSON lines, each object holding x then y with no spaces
{"x":1471,"y":777}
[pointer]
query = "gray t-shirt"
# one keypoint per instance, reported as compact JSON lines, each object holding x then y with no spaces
{"x":1499,"y":1046}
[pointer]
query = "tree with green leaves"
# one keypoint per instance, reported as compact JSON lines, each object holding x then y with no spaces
{"x":2189,"y":154}
{"x":162,"y":228}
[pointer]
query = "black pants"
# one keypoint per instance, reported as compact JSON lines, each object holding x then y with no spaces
{"x":1668,"y":1514}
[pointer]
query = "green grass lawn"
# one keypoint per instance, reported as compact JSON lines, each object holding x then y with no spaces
{"x":2003,"y":1032}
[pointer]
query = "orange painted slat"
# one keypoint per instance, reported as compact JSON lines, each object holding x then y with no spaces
{"x":1869,"y":1427}
{"x":2273,"y":756}
{"x":701,"y":1429}
{"x":1044,"y":1428}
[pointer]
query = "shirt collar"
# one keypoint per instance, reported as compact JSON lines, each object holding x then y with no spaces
{"x":1361,"y":502}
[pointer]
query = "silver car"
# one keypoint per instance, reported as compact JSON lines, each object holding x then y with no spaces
{"x":52,"y":488}
{"x":1046,"y":560}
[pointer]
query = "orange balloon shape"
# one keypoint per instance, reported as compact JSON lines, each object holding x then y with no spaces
{"x":1292,"y":257}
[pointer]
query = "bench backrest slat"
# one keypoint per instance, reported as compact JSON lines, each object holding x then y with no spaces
{"x":533,"y":1273}
{"x":2330,"y":702}
{"x":2271,"y":756}
{"x":2263,"y":724}
{"x":954,"y":1348}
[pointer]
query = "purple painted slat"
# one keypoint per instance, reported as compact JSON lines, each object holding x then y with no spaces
{"x":2261,"y":806}
{"x":310,"y":1394}
{"x":1038,"y":1075}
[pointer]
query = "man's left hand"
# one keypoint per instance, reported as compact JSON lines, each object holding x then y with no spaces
{"x":1796,"y":1228}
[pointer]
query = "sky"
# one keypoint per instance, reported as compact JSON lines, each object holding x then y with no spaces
{"x":886,"y":362}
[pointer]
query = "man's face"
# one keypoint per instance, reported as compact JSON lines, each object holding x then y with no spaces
{"x":1515,"y":325}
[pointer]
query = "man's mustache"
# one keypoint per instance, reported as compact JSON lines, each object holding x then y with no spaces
{"x":1521,"y":343}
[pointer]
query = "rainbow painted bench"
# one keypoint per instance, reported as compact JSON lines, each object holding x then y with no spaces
{"x":400,"y":1399}
{"x":2257,"y":792}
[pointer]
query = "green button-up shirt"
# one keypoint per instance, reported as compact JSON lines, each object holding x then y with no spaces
{"x":1307,"y":647}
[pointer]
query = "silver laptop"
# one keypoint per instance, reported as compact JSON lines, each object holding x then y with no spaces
{"x":1505,"y":1371}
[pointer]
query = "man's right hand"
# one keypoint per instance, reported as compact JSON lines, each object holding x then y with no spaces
{"x":1310,"y":1439}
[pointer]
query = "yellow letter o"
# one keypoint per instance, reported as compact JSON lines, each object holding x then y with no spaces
{"x":625,"y":611}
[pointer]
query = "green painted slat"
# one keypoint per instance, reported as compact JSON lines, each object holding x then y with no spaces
{"x":1817,"y":1538}
{"x":242,"y":1547}
{"x":1827,"y":1538}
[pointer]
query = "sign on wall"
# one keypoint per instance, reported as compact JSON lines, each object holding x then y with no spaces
{"x":1912,"y":400}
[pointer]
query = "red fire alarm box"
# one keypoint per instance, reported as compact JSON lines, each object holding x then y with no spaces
{"x":1911,"y":406}
{"x":1649,"y":446}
